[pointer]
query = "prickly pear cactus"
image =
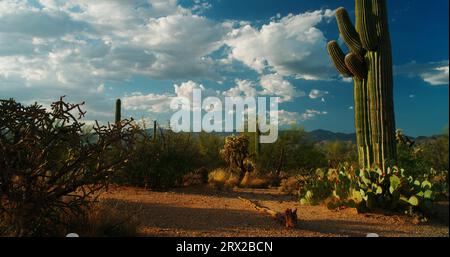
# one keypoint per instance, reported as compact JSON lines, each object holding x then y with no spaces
{"x":370,"y":64}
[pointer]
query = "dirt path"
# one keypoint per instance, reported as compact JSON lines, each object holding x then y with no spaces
{"x":203,"y":212}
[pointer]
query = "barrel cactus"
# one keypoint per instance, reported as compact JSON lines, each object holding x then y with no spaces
{"x":369,"y":62}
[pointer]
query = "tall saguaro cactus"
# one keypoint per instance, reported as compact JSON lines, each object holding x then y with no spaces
{"x":370,"y":64}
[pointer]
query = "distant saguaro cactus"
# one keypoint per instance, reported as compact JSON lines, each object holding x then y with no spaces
{"x":370,"y":64}
{"x":118,"y":112}
{"x":154,"y":130}
{"x":257,"y":141}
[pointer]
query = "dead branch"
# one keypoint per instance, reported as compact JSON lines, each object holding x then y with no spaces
{"x":272,"y":213}
{"x":288,"y":218}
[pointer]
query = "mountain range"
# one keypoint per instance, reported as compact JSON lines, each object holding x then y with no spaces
{"x":320,"y":135}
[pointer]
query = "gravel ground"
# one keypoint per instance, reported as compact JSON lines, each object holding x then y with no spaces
{"x":205,"y":212}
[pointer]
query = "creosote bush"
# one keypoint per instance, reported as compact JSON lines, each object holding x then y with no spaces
{"x":50,"y":168}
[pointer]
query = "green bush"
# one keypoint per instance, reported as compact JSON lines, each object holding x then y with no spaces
{"x":294,"y":152}
{"x":420,"y":157}
{"x":338,"y":152}
{"x":161,"y":163}
{"x":435,"y":151}
{"x":209,"y":146}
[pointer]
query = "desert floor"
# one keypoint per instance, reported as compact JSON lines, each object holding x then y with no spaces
{"x":201,"y":211}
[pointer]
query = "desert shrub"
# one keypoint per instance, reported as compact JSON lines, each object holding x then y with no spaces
{"x":209,"y":146}
{"x":370,"y":189}
{"x":434,"y":151}
{"x":50,"y":168}
{"x":440,"y":181}
{"x":161,"y":163}
{"x":419,"y":158}
{"x":197,"y":177}
{"x":294,"y":152}
{"x":170,"y":159}
{"x":337,"y":152}
{"x":410,"y":156}
{"x":223,"y":179}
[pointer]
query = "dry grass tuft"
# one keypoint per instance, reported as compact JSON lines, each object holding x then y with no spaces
{"x":222,"y":179}
{"x":253,"y":180}
{"x":107,"y":218}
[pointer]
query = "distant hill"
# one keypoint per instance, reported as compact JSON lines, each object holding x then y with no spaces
{"x":319,"y":135}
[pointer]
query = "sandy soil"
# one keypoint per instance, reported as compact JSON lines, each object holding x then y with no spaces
{"x":205,"y":212}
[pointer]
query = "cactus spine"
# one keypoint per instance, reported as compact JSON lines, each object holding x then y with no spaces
{"x":118,"y":112}
{"x":370,"y":64}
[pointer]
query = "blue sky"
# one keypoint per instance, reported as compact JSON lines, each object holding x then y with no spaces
{"x":146,"y":52}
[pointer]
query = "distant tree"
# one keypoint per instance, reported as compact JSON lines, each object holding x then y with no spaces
{"x":209,"y":145}
{"x":419,"y":157}
{"x":294,"y":151}
{"x":435,"y":151}
{"x":338,"y":152}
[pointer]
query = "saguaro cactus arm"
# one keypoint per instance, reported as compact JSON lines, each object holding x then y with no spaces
{"x":348,"y":32}
{"x":338,"y":58}
{"x":356,"y":66}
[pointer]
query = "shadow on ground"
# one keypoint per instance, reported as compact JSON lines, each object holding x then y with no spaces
{"x":158,"y":219}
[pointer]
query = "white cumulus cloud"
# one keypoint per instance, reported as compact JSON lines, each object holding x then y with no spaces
{"x":316,"y":93}
{"x":289,"y":118}
{"x":243,"y":88}
{"x":276,"y":85}
{"x":433,"y":73}
{"x":291,"y":46}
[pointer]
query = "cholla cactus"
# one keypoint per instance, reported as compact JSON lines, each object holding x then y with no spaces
{"x":235,"y":152}
{"x":370,"y":64}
